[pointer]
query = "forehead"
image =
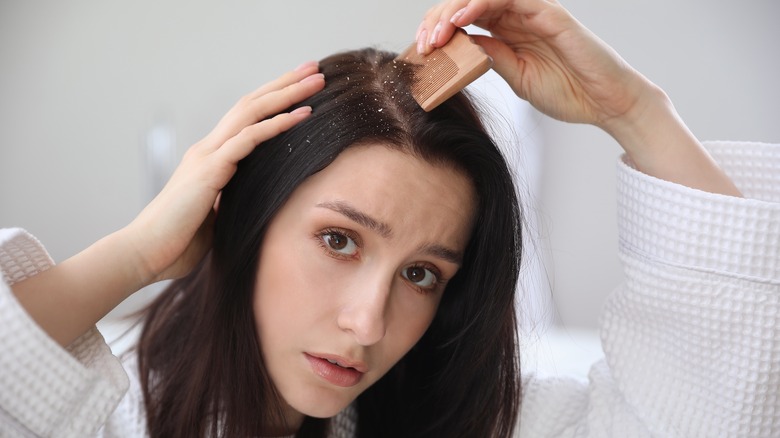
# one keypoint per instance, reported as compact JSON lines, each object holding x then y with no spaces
{"x":405,"y":191}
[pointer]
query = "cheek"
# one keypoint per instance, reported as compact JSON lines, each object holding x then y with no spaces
{"x":291,"y":272}
{"x":282,"y":290}
{"x":295,"y":285}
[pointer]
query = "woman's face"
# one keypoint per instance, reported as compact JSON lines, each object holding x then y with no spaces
{"x":352,"y":270}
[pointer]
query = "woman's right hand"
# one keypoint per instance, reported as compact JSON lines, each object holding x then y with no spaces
{"x":174,"y":231}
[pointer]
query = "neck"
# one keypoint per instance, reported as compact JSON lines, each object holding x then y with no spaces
{"x":289,"y":424}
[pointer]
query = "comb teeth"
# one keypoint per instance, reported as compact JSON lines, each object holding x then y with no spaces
{"x":434,"y":74}
{"x":446,"y":70}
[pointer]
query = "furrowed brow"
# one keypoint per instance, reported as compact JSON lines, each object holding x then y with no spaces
{"x":358,"y":216}
{"x":443,"y":253}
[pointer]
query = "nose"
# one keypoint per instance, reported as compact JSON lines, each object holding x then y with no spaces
{"x":364,"y":315}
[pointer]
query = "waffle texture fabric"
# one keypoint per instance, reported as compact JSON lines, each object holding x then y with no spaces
{"x":691,"y":340}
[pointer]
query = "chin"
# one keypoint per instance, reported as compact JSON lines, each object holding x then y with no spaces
{"x":326,"y":404}
{"x":323,"y":411}
{"x":323,"y":404}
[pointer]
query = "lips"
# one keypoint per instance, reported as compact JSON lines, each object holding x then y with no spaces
{"x":336,"y":370}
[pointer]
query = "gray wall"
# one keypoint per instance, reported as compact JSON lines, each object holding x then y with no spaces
{"x":82,"y":82}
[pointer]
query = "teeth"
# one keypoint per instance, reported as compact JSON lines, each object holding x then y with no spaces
{"x":335,"y":363}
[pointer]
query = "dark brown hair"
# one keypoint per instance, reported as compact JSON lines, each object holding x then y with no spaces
{"x":199,"y":355}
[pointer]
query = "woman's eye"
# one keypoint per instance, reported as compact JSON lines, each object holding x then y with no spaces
{"x":340,"y":243}
{"x":420,"y":276}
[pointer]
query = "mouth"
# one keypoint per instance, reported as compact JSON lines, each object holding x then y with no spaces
{"x":336,"y":370}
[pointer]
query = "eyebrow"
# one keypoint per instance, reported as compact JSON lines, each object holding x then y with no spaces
{"x":361,"y":218}
{"x":443,"y":253}
{"x":385,"y":231}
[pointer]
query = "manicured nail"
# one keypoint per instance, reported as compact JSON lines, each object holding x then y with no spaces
{"x":301,"y":110}
{"x":422,"y":41}
{"x":306,"y":65}
{"x":419,"y":29}
{"x":435,"y":36}
{"x":456,"y":17}
{"x":314,"y":77}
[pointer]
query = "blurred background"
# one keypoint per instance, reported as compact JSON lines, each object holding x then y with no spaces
{"x":99,"y":99}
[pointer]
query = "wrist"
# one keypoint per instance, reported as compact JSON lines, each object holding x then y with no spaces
{"x":140,"y":268}
{"x":637,"y":129}
{"x":659,"y":144}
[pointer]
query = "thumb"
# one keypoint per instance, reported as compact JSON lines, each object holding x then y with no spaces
{"x":505,"y":61}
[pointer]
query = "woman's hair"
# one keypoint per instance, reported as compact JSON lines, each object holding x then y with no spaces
{"x":200,"y":359}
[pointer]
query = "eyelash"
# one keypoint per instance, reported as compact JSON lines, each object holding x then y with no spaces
{"x":330,"y":251}
{"x":320,"y":237}
{"x":438,"y":281}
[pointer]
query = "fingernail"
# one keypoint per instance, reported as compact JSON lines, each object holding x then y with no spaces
{"x":301,"y":110}
{"x":435,"y":36}
{"x":419,"y":29}
{"x":312,"y":78}
{"x":421,"y":42}
{"x":306,"y":65}
{"x":456,"y":17}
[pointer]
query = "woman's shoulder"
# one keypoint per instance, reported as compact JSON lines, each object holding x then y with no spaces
{"x":570,"y":406}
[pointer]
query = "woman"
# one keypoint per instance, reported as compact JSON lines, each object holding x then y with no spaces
{"x":666,"y":372}
{"x":391,"y":194}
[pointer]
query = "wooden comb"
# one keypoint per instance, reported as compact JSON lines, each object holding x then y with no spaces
{"x":446,"y":70}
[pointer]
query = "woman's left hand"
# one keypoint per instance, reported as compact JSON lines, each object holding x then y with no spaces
{"x":565,"y":71}
{"x":546,"y":56}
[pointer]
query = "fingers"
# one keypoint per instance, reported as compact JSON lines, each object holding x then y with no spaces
{"x":302,"y":71}
{"x":269,"y":99}
{"x":437,"y":26}
{"x":243,"y":143}
{"x":440,"y":22}
{"x":505,"y":62}
{"x":276,"y":100}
